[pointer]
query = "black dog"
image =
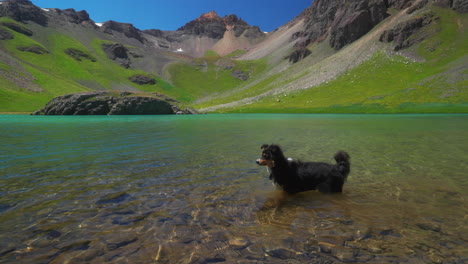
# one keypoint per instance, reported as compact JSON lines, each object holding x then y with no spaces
{"x":296,"y":176}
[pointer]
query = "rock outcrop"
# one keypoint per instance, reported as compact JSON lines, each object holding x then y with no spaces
{"x":112,"y":103}
{"x":76,"y":17}
{"x":298,"y":54}
{"x":154,"y":32}
{"x":18,"y":28}
{"x":5,"y":34}
{"x":241,"y":75}
{"x":460,"y":6}
{"x":72,"y":16}
{"x":404,"y":34}
{"x":79,"y":55}
{"x":355,"y":20}
{"x":457,"y":5}
{"x":399,"y":4}
{"x":342,"y":21}
{"x":118,"y":53}
{"x":34,"y":48}
{"x":142,"y":80}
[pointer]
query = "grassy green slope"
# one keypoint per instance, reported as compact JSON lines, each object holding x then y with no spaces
{"x":387,"y":82}
{"x":210,"y":75}
{"x":56,"y":73}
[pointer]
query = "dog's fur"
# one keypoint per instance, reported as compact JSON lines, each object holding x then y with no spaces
{"x":296,"y":176}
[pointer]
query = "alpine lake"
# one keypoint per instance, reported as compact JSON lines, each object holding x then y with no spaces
{"x":186,"y":189}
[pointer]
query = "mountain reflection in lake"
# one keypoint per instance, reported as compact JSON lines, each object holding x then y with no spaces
{"x":186,"y":189}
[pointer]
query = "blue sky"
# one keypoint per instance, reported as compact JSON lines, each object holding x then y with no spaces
{"x":172,"y":14}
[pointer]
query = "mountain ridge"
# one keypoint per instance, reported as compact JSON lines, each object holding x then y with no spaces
{"x":212,"y":60}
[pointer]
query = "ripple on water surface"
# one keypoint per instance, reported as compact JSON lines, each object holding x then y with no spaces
{"x":187,"y":190}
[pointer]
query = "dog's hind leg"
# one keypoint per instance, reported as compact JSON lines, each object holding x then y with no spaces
{"x":324,"y":188}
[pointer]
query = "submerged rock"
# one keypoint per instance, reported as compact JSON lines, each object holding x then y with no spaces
{"x":239,"y":243}
{"x":429,"y":227}
{"x":108,"y":103}
{"x":281,"y":253}
{"x":113,"y":198}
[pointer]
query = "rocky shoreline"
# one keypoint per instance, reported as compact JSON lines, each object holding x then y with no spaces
{"x":113,"y":103}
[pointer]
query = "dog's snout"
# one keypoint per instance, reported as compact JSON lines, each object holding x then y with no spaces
{"x":261,"y":162}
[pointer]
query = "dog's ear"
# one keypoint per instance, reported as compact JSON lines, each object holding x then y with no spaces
{"x":264,"y":146}
{"x":275,"y":148}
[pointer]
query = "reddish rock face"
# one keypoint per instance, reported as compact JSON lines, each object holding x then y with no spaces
{"x":210,"y":15}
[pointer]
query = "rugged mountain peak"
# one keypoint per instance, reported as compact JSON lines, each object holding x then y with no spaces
{"x":77,"y":16}
{"x":209,"y":16}
{"x":23,"y":11}
{"x":125,"y":28}
{"x":212,"y":25}
{"x":70,"y":16}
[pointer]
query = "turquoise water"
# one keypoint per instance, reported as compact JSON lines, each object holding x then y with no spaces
{"x":186,"y":189}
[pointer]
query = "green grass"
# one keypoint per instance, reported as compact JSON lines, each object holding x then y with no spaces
{"x":384,"y":83}
{"x":236,"y":53}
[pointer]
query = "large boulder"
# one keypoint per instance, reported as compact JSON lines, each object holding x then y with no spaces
{"x":108,"y":103}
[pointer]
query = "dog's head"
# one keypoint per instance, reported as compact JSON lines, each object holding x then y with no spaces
{"x":270,"y":154}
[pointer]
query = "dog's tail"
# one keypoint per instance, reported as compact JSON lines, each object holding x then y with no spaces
{"x":342,"y":160}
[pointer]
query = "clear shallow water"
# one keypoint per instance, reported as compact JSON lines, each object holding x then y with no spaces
{"x":186,"y":189}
